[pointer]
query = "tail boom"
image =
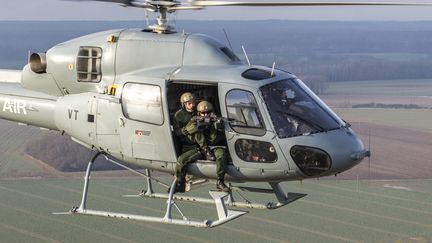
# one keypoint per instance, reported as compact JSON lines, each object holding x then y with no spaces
{"x":25,"y":106}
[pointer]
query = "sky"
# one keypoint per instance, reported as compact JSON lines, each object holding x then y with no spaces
{"x":90,"y":10}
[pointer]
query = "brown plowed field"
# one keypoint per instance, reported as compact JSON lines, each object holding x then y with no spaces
{"x":397,"y":153}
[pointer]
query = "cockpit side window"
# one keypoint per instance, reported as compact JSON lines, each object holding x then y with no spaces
{"x":89,"y":64}
{"x":243,"y":113}
{"x":142,"y":102}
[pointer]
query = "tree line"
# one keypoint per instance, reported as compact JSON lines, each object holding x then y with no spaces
{"x":317,"y":73}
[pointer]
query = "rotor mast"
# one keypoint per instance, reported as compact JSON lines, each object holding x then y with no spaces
{"x":162,"y":25}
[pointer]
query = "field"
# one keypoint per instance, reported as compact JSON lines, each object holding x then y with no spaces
{"x":334,"y":211}
{"x":399,"y":139}
{"x":345,"y":94}
{"x":416,"y":119}
{"x":13,"y":160}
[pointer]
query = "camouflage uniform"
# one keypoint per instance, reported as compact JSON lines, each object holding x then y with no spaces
{"x":181,"y":119}
{"x":195,"y":136}
{"x":214,"y":131}
{"x":190,"y":150}
{"x":213,"y":135}
{"x":216,"y":136}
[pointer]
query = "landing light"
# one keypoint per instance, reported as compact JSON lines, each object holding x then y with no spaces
{"x":311,"y":161}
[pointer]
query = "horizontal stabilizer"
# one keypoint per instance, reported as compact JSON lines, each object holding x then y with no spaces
{"x":10,"y":76}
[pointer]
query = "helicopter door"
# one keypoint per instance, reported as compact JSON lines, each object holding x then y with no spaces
{"x":145,"y":132}
{"x":107,"y":124}
{"x":252,"y":147}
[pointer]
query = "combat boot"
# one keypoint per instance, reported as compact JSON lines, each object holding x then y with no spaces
{"x":208,"y":153}
{"x":220,"y":185}
{"x":179,"y":186}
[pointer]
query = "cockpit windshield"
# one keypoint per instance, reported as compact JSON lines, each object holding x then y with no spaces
{"x":295,"y":111}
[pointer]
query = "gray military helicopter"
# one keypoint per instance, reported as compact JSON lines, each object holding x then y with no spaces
{"x":116,"y":91}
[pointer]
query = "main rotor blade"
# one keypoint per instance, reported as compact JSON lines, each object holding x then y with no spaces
{"x":122,"y":2}
{"x":204,"y":3}
{"x":174,"y":5}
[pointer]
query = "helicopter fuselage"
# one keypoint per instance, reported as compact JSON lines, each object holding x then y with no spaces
{"x":117,"y":91}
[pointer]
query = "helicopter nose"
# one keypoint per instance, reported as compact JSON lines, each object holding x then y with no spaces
{"x":327,"y":153}
{"x":350,"y":153}
{"x":360,"y":155}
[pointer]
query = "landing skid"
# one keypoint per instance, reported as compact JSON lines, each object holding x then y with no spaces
{"x":229,"y":201}
{"x":283,"y":199}
{"x":220,"y":199}
{"x":224,"y":214}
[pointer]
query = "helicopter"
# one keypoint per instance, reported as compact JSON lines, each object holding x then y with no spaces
{"x":116,"y":92}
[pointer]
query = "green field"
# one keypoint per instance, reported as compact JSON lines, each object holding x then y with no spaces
{"x":333,"y":211}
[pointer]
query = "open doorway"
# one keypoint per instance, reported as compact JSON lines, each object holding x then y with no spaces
{"x":202,"y":91}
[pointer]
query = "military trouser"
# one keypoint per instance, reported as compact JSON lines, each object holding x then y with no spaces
{"x":193,"y":155}
{"x":221,"y":161}
{"x":187,"y":157}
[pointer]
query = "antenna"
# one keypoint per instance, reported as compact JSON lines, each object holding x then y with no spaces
{"x":247,"y":58}
{"x":147,"y":17}
{"x":369,"y":157}
{"x":229,"y":42}
{"x":273,"y":68}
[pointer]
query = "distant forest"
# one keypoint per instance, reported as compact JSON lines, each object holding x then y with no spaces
{"x":318,"y":52}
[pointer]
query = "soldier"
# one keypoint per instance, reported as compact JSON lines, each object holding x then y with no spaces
{"x":213,"y":132}
{"x":189,"y":150}
{"x":186,"y":129}
{"x":202,"y":136}
{"x":183,"y":116}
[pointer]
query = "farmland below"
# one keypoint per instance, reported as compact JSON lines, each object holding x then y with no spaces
{"x":399,"y":139}
{"x":333,"y":211}
{"x":416,"y":92}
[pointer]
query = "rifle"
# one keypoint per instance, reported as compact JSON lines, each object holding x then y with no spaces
{"x":204,"y":122}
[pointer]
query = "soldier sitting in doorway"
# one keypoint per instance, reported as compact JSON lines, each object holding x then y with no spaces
{"x":183,"y":116}
{"x":198,"y":135}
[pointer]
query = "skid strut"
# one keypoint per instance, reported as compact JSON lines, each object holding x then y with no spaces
{"x":83,"y":204}
{"x":229,"y":198}
{"x":224,"y":214}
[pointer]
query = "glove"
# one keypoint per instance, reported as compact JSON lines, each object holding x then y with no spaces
{"x":218,"y":125}
{"x":191,"y":128}
{"x":184,"y":131}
